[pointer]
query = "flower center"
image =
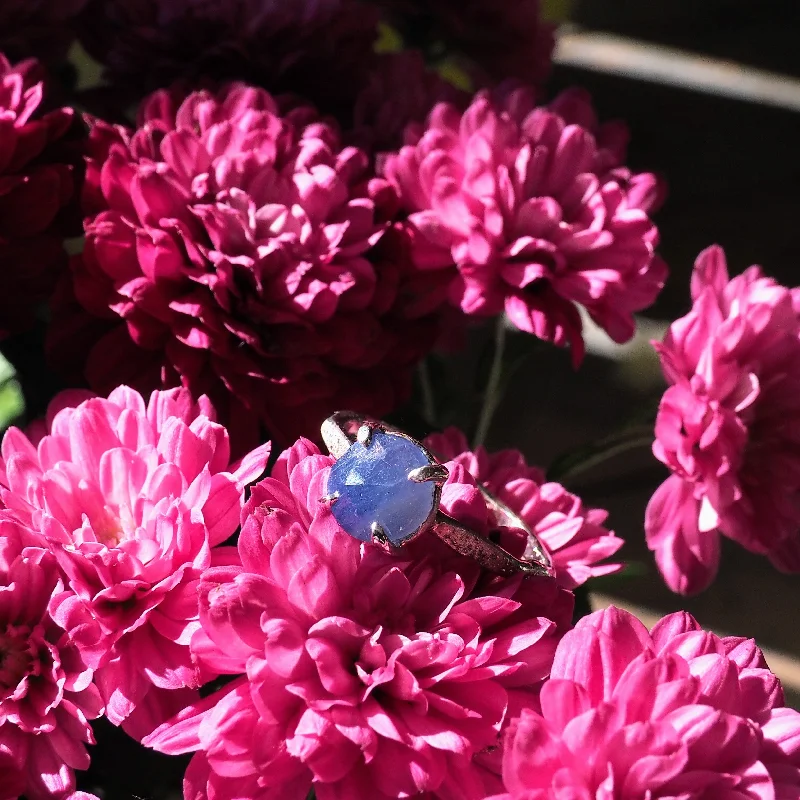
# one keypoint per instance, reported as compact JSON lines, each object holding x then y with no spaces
{"x":112,"y":526}
{"x":16,"y":659}
{"x":108,"y":532}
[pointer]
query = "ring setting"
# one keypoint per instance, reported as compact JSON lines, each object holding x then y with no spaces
{"x":385,"y":487}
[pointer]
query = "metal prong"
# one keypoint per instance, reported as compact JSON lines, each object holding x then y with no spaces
{"x":379,"y":536}
{"x":437,"y":473}
{"x":329,"y":499}
{"x":364,"y":435}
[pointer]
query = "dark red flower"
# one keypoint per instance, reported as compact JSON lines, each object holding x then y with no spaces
{"x":37,"y":183}
{"x":243,"y":253}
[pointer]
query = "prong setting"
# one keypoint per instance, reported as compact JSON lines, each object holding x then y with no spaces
{"x":329,"y":499}
{"x":374,"y":485}
{"x":364,"y":435}
{"x":379,"y":536}
{"x":437,"y":473}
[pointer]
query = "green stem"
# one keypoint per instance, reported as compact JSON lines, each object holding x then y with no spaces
{"x":428,"y":396}
{"x":573,"y":464}
{"x":491,"y":398}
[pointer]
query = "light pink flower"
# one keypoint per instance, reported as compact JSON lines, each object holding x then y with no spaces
{"x":368,"y":675}
{"x":239,"y":251}
{"x":529,"y":210}
{"x":676,"y":713}
{"x":728,"y":427}
{"x":131,"y":498}
{"x":46,"y":690}
{"x":574,"y":535}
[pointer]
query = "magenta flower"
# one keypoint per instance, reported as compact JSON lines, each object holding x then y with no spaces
{"x":131,"y":499}
{"x":241,"y":252}
{"x":46,"y":690}
{"x":530,"y":211}
{"x":41,"y":28}
{"x":12,"y":776}
{"x":676,"y":713}
{"x":36,"y":186}
{"x":315,"y":48}
{"x":727,"y":428}
{"x":367,"y":674}
{"x":573,"y":535}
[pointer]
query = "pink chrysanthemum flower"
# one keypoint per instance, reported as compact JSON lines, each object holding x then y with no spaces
{"x":46,"y":690}
{"x":728,"y":427}
{"x":574,"y":535}
{"x":500,"y":38}
{"x":530,"y":210}
{"x":131,"y":498}
{"x":241,"y":252}
{"x":367,"y":674}
{"x":315,"y":48}
{"x":41,"y":28}
{"x":36,"y":186}
{"x":676,"y":713}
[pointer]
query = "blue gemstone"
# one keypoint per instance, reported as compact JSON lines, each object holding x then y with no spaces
{"x":371,"y":484}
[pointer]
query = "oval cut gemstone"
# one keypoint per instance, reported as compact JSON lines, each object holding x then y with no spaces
{"x":371,"y":484}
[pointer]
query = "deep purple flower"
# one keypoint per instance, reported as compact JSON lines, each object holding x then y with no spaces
{"x":40,"y":28}
{"x":314,"y":48}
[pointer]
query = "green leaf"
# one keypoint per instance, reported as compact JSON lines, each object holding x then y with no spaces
{"x":585,"y":458}
{"x":12,"y":405}
{"x":632,"y":570}
{"x":6,"y":370}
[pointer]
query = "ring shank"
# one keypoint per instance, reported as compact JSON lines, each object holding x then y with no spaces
{"x":535,"y":561}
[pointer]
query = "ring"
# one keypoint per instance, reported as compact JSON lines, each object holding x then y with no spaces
{"x":385,"y":488}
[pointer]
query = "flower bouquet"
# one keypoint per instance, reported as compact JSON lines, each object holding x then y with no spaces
{"x":245,"y":552}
